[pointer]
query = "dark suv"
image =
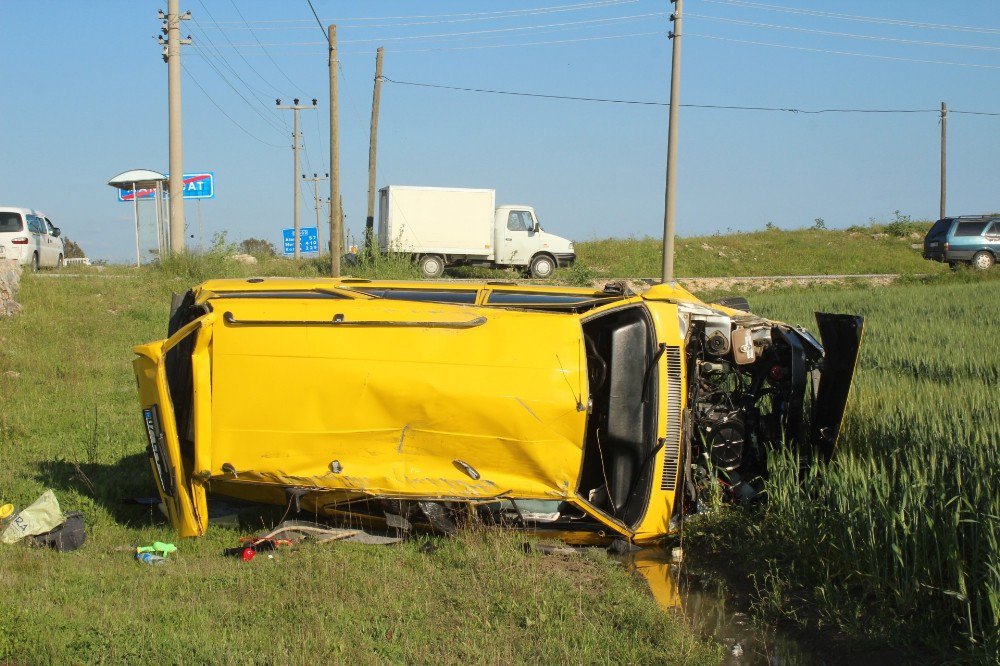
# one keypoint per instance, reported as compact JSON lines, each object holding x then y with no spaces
{"x":972,"y":239}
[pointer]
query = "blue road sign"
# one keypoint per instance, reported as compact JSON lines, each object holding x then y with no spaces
{"x":308,"y":240}
{"x":196,"y":186}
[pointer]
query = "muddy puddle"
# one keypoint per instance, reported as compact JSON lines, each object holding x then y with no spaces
{"x":703,"y":600}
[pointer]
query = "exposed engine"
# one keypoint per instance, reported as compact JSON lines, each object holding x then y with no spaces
{"x":748,"y":380}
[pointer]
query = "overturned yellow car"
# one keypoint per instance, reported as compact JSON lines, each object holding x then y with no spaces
{"x":587,"y":414}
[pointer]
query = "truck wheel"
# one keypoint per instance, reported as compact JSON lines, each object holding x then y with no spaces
{"x":432,"y":266}
{"x":983,"y":261}
{"x":542,"y":267}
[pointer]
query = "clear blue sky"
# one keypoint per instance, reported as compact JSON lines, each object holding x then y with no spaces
{"x":86,"y":98}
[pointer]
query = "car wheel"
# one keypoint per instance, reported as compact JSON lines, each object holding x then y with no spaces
{"x":542,"y":267}
{"x":59,"y":262}
{"x":34,"y":263}
{"x":432,"y":266}
{"x":983,"y":261}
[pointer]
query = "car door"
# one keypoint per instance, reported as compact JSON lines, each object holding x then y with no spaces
{"x":992,"y":238}
{"x":36,"y":238}
{"x":516,"y":248}
{"x":55,"y":243}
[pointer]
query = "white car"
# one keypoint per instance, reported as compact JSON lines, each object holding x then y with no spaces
{"x":29,"y":237}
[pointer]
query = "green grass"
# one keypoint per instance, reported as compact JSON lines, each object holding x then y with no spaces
{"x":898,"y":539}
{"x":774,"y":252}
{"x":70,"y":421}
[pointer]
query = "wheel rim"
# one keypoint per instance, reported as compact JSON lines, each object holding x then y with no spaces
{"x":543,"y":268}
{"x":983,"y":261}
{"x":432,"y":266}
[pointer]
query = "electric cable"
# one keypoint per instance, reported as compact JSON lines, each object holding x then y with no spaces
{"x":223,"y":111}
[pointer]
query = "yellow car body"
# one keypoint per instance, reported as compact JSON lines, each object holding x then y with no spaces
{"x":369,"y":398}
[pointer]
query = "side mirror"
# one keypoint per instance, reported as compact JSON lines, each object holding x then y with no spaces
{"x":56,"y":232}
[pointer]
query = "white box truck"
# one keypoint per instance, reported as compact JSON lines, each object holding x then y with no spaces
{"x":450,"y":226}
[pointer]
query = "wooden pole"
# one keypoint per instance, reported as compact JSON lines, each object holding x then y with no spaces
{"x":372,"y":152}
{"x":335,"y":219}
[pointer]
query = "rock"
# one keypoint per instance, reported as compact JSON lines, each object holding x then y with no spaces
{"x":10,"y":280}
{"x":879,"y":236}
{"x":244,"y":258}
{"x":706,"y":247}
{"x":13,"y":374}
{"x":914,"y":235}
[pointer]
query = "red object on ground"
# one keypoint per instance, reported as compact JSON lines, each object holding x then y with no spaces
{"x":248,"y":554}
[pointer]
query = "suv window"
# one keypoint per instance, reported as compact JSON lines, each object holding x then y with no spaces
{"x":11,"y":222}
{"x":994,"y":230}
{"x":428,"y":295}
{"x":970,"y":228}
{"x":49,"y":226}
{"x":940,"y":227}
{"x":35,"y":225}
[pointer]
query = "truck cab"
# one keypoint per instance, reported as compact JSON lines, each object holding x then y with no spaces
{"x":519,"y":240}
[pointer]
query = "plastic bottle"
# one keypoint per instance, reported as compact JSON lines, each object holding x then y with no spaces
{"x":150,"y":558}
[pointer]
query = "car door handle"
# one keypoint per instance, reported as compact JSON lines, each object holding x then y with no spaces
{"x":508,"y":239}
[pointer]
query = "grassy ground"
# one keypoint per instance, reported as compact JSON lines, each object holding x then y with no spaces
{"x":775,"y":252}
{"x":70,"y":422}
{"x":897,"y":540}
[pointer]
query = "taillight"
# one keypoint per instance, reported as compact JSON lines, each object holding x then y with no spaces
{"x":945,"y":247}
{"x":21,"y":240}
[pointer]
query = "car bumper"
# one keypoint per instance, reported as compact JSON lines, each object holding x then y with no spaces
{"x":565,"y":260}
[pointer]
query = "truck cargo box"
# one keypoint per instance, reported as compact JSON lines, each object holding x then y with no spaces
{"x":439,"y":220}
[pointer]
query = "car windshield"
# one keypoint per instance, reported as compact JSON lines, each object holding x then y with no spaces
{"x":11,"y":222}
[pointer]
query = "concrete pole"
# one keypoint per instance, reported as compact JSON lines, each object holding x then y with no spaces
{"x":944,"y":159}
{"x":295,"y":175}
{"x":176,"y":186}
{"x":135,"y":211}
{"x":335,"y":219}
{"x":372,"y":151}
{"x":315,"y":181}
{"x":296,"y":141}
{"x":671,"y":197}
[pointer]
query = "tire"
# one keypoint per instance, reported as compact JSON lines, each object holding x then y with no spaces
{"x":59,"y":262}
{"x":34,"y":263}
{"x":542,"y":267}
{"x":983,"y":261}
{"x":431,"y":266}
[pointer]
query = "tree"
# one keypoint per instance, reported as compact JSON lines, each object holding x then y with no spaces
{"x":258,"y":247}
{"x":72,"y":250}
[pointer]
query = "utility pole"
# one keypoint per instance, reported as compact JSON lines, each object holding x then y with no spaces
{"x":944,"y":158}
{"x":296,"y":141}
{"x":372,"y":151}
{"x":172,"y":56}
{"x":335,"y":219}
{"x":670,"y":196}
{"x":315,"y":181}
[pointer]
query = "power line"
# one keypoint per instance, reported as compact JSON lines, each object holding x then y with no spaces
{"x":266,"y":52}
{"x":847,"y":53}
{"x":841,"y":34}
{"x":568,"y":25}
{"x":474,"y":47}
{"x":326,"y":37}
{"x":242,"y":57}
{"x":223,"y":111}
{"x":473,"y":16}
{"x":696,"y":106}
{"x":854,"y":17}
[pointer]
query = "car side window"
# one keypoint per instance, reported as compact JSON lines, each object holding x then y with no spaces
{"x":49,"y":226}
{"x":994,"y":230}
{"x":970,"y":228}
{"x":35,"y":225}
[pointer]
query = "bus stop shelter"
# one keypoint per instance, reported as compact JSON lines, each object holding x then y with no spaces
{"x":145,"y":184}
